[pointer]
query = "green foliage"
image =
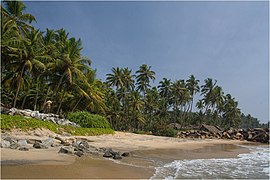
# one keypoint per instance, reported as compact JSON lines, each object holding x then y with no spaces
{"x":87,"y":120}
{"x":19,"y":122}
{"x":169,"y":132}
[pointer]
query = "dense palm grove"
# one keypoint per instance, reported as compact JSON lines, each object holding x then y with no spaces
{"x":38,"y":66}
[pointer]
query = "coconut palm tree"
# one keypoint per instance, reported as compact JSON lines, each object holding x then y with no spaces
{"x":32,"y":55}
{"x":165,"y":91}
{"x":206,"y":91}
{"x":144,"y":75}
{"x":193,"y":87}
{"x":15,"y":12}
{"x":116,"y":78}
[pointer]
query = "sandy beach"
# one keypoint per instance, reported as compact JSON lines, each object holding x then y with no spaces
{"x":146,"y":151}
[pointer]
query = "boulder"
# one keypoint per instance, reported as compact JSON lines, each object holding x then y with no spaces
{"x":107,"y":154}
{"x":125,"y":154}
{"x":33,"y":141}
{"x":262,"y":137}
{"x":10,"y":140}
{"x":5,"y":144}
{"x":48,"y":142}
{"x":14,"y":146}
{"x":22,"y":142}
{"x":78,"y":153}
{"x":38,"y":145}
{"x":23,"y":149}
{"x":65,"y":150}
{"x":117,"y":156}
{"x":83,"y":144}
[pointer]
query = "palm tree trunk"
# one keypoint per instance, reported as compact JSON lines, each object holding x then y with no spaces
{"x":76,"y":104}
{"x":60,"y":104}
{"x":24,"y":99}
{"x":18,"y":88}
{"x":46,"y":97}
{"x":58,"y":85}
{"x":38,"y":85}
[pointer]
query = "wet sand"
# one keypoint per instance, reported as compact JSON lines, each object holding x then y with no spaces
{"x":147,"y":152}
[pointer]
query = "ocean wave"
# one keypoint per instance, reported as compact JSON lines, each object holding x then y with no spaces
{"x":253,"y":165}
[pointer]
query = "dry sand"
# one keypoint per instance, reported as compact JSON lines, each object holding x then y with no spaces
{"x":146,"y":152}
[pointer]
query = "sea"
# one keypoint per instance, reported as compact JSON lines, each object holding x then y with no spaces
{"x":252,"y":165}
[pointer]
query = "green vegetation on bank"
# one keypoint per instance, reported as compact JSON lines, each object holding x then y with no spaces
{"x":38,"y":66}
{"x":19,"y":122}
{"x":87,"y":120}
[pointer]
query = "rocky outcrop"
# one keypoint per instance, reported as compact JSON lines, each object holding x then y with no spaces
{"x":67,"y":145}
{"x":41,"y":116}
{"x":256,"y":135}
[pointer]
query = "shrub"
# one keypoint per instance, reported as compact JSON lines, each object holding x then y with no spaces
{"x":87,"y":120}
{"x":170,"y":132}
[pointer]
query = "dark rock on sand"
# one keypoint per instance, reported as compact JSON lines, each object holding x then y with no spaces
{"x":125,"y":154}
{"x":38,"y":145}
{"x":107,"y":154}
{"x":65,"y":150}
{"x":23,"y":149}
{"x":14,"y":146}
{"x":117,"y":155}
{"x":84,"y":145}
{"x":78,"y":153}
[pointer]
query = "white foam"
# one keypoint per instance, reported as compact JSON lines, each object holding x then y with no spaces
{"x":252,"y":165}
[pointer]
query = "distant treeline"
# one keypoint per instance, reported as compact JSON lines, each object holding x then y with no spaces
{"x":38,"y":66}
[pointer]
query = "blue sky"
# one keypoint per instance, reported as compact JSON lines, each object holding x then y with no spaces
{"x":227,"y":41}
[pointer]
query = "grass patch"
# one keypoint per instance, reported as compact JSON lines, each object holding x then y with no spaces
{"x":9,"y":122}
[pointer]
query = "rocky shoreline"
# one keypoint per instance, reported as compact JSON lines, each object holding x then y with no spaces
{"x":68,"y":145}
{"x":213,"y":132}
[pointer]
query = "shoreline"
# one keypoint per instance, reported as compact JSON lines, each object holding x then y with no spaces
{"x":147,"y":152}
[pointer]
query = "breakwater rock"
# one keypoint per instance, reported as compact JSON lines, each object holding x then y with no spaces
{"x":41,"y":116}
{"x":212,"y":132}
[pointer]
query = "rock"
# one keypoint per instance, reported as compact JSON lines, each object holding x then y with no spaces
{"x":22,"y":142}
{"x":14,"y":146}
{"x":48,"y":142}
{"x":5,"y":144}
{"x":259,"y":129}
{"x":78,"y":153}
{"x":226,"y":135}
{"x":38,"y":145}
{"x":117,"y":156}
{"x":84,"y":144}
{"x":10,"y":140}
{"x":23,"y":149}
{"x":33,"y":141}
{"x":125,"y":154}
{"x":107,"y":154}
{"x":65,"y":150}
{"x":238,"y":136}
{"x":262,"y":137}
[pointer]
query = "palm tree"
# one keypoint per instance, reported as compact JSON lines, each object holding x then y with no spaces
{"x":14,"y":11}
{"x":145,"y":74}
{"x":206,"y":91}
{"x":165,"y":90}
{"x":32,"y":54}
{"x":232,"y":114}
{"x":193,"y":87}
{"x":68,"y":66}
{"x":116,"y":78}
